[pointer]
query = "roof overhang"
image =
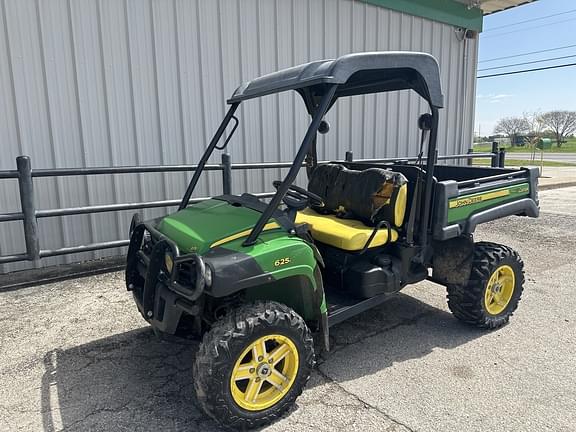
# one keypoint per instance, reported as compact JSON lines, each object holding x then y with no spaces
{"x":466,"y":14}
{"x":492,"y":6}
{"x":451,"y":12}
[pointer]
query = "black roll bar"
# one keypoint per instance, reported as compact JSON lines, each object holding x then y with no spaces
{"x":207,"y":154}
{"x":430,"y":162}
{"x":296,"y":165}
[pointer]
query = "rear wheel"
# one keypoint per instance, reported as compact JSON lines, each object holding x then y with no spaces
{"x":253,"y":364}
{"x":493,"y":290}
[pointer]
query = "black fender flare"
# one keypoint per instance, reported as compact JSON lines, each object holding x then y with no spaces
{"x":525,"y":207}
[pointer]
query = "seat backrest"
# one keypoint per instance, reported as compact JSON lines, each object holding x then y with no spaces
{"x":371,"y":196}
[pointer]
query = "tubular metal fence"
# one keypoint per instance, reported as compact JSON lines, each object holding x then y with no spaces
{"x":29,"y":214}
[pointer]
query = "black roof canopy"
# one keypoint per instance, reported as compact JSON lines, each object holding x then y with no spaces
{"x":360,"y":73}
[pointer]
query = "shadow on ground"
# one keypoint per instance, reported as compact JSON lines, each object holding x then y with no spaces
{"x":402,"y":329}
{"x":134,"y":381}
{"x":130,"y":381}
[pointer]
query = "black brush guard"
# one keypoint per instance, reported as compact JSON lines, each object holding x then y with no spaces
{"x":145,"y":271}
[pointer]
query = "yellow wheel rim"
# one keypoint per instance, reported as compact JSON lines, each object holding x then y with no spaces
{"x":499,"y":290}
{"x":264,"y":373}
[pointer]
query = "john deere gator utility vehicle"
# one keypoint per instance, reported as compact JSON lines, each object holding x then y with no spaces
{"x":257,"y":280}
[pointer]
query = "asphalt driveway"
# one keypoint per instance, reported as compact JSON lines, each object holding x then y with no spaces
{"x":76,"y":356}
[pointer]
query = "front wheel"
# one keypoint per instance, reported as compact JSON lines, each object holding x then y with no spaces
{"x":493,"y":290}
{"x":253,"y":364}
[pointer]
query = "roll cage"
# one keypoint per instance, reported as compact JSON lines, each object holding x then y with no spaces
{"x":320,"y":84}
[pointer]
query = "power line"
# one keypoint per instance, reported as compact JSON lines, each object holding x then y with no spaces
{"x":529,"y":28}
{"x":528,"y":53}
{"x":530,"y":20}
{"x":526,"y":63}
{"x":527,"y":70}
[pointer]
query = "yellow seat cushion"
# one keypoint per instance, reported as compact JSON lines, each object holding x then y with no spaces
{"x":347,"y":234}
{"x":400,"y":205}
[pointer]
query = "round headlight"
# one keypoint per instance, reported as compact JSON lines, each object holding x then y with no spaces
{"x":169,"y":262}
{"x":208,"y":276}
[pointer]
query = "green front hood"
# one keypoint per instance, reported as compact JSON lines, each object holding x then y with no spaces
{"x":198,"y":226}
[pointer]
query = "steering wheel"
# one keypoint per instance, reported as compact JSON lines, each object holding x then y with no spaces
{"x":298,"y":198}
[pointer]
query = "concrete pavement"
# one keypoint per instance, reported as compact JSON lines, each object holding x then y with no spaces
{"x":76,"y":356}
{"x":557,"y":177}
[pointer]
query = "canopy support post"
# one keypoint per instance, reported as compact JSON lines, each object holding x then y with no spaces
{"x":296,"y":165}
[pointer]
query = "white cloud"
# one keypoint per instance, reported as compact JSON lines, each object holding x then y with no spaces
{"x":494,"y":98}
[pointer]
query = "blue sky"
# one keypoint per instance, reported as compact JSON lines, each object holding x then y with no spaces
{"x":534,"y":91}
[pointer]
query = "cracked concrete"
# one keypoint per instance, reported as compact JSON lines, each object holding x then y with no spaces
{"x":76,"y":356}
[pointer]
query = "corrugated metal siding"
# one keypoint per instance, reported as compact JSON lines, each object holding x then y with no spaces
{"x":136,"y":82}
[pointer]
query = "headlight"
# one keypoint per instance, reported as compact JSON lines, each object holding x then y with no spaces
{"x":208,"y":276}
{"x":169,"y":262}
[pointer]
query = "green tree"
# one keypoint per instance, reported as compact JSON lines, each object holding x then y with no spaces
{"x":512,"y":127}
{"x":535,"y":124}
{"x":561,"y":123}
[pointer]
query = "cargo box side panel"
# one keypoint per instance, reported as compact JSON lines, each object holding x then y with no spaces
{"x":461,"y":208}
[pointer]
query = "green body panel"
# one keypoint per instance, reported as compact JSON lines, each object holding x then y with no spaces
{"x":198,"y":226}
{"x":286,"y":259}
{"x":463,"y":207}
{"x":272,"y":251}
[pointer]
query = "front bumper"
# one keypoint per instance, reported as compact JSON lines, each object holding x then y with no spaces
{"x":160,"y":295}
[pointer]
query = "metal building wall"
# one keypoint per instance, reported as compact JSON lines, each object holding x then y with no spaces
{"x":136,"y":82}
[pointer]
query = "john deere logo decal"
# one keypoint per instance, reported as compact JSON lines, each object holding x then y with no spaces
{"x":474,"y":199}
{"x":465,"y":201}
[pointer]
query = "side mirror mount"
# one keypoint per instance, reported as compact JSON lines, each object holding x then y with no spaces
{"x":425,"y":122}
{"x":324,"y":127}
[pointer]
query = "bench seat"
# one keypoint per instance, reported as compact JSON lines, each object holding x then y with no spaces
{"x":346,"y":234}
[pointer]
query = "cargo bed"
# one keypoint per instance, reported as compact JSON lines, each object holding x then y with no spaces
{"x":465,"y":196}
